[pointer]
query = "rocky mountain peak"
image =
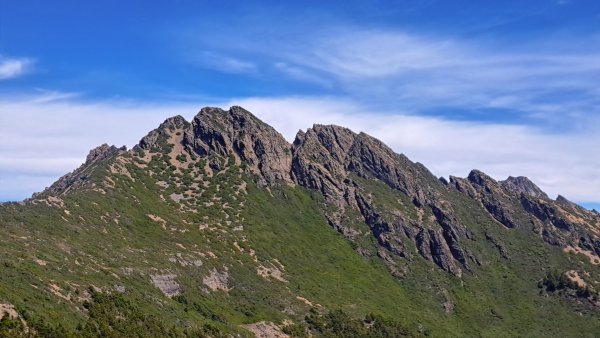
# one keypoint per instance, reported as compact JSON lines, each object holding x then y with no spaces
{"x":336,"y":161}
{"x":199,"y":217}
{"x":157,"y":137}
{"x":79,"y":176}
{"x":340,"y":163}
{"x":238,"y":133}
{"x":175,"y":122}
{"x":490,"y":193}
{"x":236,"y":117}
{"x":336,"y":139}
{"x":299,"y":137}
{"x":522,"y":185}
{"x":319,"y":157}
{"x":564,"y":201}
{"x":234,"y":133}
{"x":102,"y":152}
{"x":330,"y":142}
{"x":326,"y":155}
{"x":480,"y":178}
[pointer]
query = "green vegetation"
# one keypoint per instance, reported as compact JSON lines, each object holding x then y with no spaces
{"x":109,"y":315}
{"x":340,"y":324}
{"x":560,"y":282}
{"x":235,"y":253}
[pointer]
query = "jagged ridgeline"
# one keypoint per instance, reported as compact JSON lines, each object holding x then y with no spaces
{"x":220,"y":227}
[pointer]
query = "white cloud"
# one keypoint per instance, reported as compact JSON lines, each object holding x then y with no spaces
{"x":45,"y":96}
{"x":12,"y":68}
{"x":544,"y":79}
{"x":421,"y":72}
{"x":42,"y":141}
{"x":224,"y":63}
{"x":302,"y":74}
{"x":366,"y":54}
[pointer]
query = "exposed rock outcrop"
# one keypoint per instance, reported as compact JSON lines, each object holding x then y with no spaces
{"x":432,"y":245}
{"x":522,"y":185}
{"x":101,"y":153}
{"x":560,"y":223}
{"x":327,"y":158}
{"x":240,"y":134}
{"x":222,"y":133}
{"x":490,"y":193}
{"x":156,"y":139}
{"x":80,"y":176}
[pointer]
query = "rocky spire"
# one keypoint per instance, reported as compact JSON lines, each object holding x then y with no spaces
{"x":240,"y":134}
{"x":157,"y":137}
{"x":522,"y":185}
{"x":232,"y":133}
{"x":102,"y":152}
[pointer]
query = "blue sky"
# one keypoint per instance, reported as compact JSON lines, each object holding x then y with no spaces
{"x":509,"y":87}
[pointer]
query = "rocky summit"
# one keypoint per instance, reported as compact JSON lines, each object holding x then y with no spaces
{"x":220,"y":227}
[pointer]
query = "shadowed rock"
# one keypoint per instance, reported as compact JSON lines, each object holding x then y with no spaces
{"x":327,"y":158}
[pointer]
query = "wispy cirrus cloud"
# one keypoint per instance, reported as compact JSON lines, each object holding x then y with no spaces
{"x":224,"y":63}
{"x":367,"y":54}
{"x":14,"y":67}
{"x":423,"y":72}
{"x":542,"y":81}
{"x":45,"y":95}
{"x":302,"y":74}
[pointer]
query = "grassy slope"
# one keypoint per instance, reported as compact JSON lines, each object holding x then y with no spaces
{"x":91,"y":249}
{"x":500,"y":298}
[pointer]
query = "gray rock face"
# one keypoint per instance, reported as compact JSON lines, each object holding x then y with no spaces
{"x":167,"y":284}
{"x":565,"y":202}
{"x":563,"y":224}
{"x":432,"y":245}
{"x":326,"y":158}
{"x":239,"y":133}
{"x":522,"y":185}
{"x":560,"y":223}
{"x":157,"y":137}
{"x":224,"y":133}
{"x":490,"y":193}
{"x":101,"y":153}
{"x":545,"y":212}
{"x":319,"y":161}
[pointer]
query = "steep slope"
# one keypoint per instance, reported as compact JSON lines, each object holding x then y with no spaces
{"x":236,"y":133}
{"x":335,"y":161}
{"x":220,"y":226}
{"x":519,"y":202}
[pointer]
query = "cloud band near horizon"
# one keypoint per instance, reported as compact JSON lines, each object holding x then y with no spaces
{"x":66,"y":129}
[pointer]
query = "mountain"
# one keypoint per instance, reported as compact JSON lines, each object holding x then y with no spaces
{"x":220,"y":227}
